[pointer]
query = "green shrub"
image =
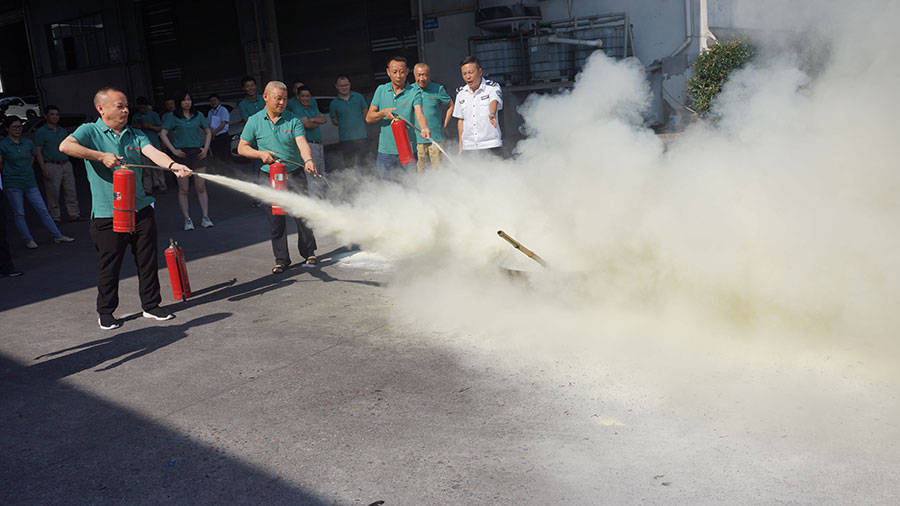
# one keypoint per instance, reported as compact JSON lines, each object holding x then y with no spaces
{"x":711,"y":70}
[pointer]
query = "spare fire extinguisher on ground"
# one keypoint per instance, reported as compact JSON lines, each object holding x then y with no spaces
{"x":401,"y":137}
{"x":181,"y":286}
{"x":123,"y":200}
{"x":278,"y":180}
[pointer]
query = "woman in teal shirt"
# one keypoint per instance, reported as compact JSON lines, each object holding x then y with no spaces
{"x":189,"y":146}
{"x":19,"y":185}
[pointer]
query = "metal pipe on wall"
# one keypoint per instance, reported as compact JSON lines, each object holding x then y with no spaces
{"x":688,"y":30}
{"x":705,"y":34}
{"x":421,"y":33}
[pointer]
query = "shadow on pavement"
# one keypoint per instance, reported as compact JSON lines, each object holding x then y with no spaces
{"x":64,"y":446}
{"x":234,"y":292}
{"x":125,"y":346}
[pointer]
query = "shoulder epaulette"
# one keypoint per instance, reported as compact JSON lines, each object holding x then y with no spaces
{"x":460,"y":88}
{"x":491,"y":83}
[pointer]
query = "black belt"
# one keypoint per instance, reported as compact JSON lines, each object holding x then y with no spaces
{"x":314,"y":142}
{"x":58,"y":163}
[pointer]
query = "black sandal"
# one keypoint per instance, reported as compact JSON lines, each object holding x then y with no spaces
{"x":278,"y":269}
{"x":311,"y":261}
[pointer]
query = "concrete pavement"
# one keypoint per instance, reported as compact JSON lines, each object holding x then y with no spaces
{"x":301,"y":389}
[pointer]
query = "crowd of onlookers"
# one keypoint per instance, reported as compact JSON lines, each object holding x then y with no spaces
{"x":192,"y":138}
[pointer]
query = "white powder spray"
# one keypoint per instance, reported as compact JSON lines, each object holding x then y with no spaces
{"x":756,"y":261}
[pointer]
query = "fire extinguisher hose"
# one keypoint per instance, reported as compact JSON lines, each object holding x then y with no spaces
{"x":302,"y":166}
{"x":410,"y":123}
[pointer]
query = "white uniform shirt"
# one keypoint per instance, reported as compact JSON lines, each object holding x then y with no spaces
{"x":218,"y":116}
{"x":474,"y":108}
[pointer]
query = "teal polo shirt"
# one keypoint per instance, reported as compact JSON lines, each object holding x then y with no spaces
{"x":293,"y":105}
{"x":312,"y":134}
{"x":48,"y":140}
{"x":279,"y":137}
{"x":17,"y":160}
{"x":186,"y":133}
{"x":434,"y":98}
{"x":99,"y":137}
{"x":349,"y":114}
{"x":148,"y":118}
{"x":249,"y":108}
{"x":404,"y":101}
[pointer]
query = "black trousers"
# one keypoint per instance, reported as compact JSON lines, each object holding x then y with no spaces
{"x":6,"y":263}
{"x":354,"y":152}
{"x":111,"y":248}
{"x":306,"y":239}
{"x":221,"y":147}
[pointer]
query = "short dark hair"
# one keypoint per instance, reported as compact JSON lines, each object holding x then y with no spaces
{"x":342,"y":76}
{"x":9,"y":120}
{"x":248,"y":78}
{"x":470,"y":59}
{"x":106,"y":90}
{"x":212,"y":96}
{"x":304,"y":88}
{"x":50,"y":107}
{"x":401,"y":59}
{"x":142,"y":101}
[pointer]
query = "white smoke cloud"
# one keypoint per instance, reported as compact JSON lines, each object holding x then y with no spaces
{"x":780,"y":215}
{"x":735,"y":291}
{"x":756,"y":258}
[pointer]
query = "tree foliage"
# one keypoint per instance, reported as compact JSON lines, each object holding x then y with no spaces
{"x":712,"y":69}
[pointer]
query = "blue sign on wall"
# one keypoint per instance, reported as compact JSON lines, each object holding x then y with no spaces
{"x":430,"y":23}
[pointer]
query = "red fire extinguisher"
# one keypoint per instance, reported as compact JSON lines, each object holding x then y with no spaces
{"x":123,"y":200}
{"x":181,"y":286}
{"x":401,"y":137}
{"x":278,"y":180}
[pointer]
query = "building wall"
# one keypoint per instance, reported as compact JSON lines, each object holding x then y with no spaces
{"x":72,"y":90}
{"x":659,"y":29}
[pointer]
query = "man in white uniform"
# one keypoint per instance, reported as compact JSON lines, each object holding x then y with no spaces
{"x":477,"y":103}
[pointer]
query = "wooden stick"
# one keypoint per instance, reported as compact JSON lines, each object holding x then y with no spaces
{"x":516,"y":244}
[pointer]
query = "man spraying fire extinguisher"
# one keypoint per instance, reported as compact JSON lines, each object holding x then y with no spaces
{"x":396,"y":154}
{"x":280,"y":135}
{"x":105,"y":145}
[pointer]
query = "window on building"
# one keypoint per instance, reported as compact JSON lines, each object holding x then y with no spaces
{"x":78,"y":43}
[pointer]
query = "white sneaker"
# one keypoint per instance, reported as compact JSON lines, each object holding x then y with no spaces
{"x":62,"y":239}
{"x":188,"y":224}
{"x":206,"y":222}
{"x":31,"y":244}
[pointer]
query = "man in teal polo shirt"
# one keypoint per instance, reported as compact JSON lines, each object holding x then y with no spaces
{"x":280,"y":134}
{"x":55,"y":166}
{"x":434,"y":99}
{"x":251,"y":104}
{"x":312,"y":119}
{"x":294,"y":101}
{"x":400,"y":98}
{"x":348,"y":113}
{"x":146,"y":120}
{"x":106,"y":144}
